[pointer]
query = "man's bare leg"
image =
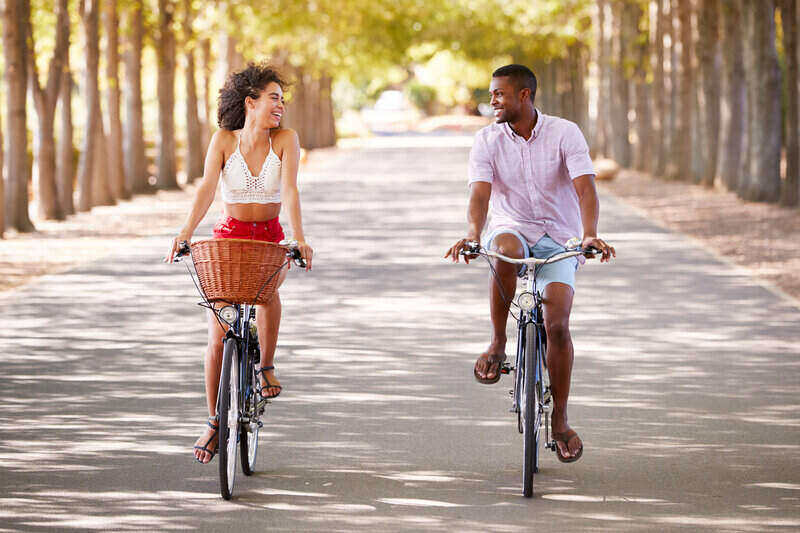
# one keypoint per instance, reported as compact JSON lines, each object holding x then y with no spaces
{"x":507,"y":244}
{"x":557,"y":308}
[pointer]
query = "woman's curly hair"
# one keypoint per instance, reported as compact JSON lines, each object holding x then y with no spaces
{"x":239,"y":85}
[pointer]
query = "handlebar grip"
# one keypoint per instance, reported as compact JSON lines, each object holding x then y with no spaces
{"x":183,"y":249}
{"x":471,"y":248}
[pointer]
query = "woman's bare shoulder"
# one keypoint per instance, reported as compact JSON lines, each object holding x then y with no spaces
{"x":223,"y":143}
{"x":285,"y":136}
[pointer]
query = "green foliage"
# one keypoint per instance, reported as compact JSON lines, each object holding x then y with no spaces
{"x":422,"y":96}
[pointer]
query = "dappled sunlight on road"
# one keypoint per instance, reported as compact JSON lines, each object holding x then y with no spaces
{"x":685,"y":387}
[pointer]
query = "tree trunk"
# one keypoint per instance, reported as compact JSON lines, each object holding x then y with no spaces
{"x":762,"y":179}
{"x":791,"y":184}
{"x":328,"y":123}
{"x":660,"y":129}
{"x":735,"y":96}
{"x":620,"y":85}
{"x":167,"y":172}
{"x":119,"y":186}
{"x":208,"y":119}
{"x":682,"y":145}
{"x":644,"y":147}
{"x":45,"y":100}
{"x":65,"y":154}
{"x":710,"y":71}
{"x":92,"y":181}
{"x":671,"y":169}
{"x":2,"y":186}
{"x":134,"y":153}
{"x":194,"y":132}
{"x":603,"y":67}
{"x":15,"y":51}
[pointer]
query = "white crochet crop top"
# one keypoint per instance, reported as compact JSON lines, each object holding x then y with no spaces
{"x":239,"y":186}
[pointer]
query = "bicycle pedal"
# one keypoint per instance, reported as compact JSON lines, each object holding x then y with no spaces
{"x":506,"y":368}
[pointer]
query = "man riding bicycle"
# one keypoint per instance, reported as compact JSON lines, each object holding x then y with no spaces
{"x":536,"y":172}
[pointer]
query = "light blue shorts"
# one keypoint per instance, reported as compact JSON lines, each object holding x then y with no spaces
{"x":561,"y":271}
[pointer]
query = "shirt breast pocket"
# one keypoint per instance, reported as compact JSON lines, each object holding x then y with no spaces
{"x":549,"y":171}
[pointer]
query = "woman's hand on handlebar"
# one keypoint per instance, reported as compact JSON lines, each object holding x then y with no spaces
{"x":306,"y":252}
{"x":606,"y":251}
{"x":176,"y":246}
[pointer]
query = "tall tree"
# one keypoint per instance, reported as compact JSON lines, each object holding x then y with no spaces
{"x":208,"y":118}
{"x":682,"y":145}
{"x":791,"y":184}
{"x":709,"y":68}
{"x":620,"y":84}
{"x":117,"y":179}
{"x":660,"y":90}
{"x":762,"y":179}
{"x":65,"y":153}
{"x":603,"y":67}
{"x":133,"y":142}
{"x":2,"y":188}
{"x":45,"y":100}
{"x":165,"y":53}
{"x":643,"y":124}
{"x":92,"y":183}
{"x":735,"y":95}
{"x":194,"y":130}
{"x":15,"y":51}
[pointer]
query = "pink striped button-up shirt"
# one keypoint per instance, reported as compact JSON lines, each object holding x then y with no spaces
{"x":532,"y":190}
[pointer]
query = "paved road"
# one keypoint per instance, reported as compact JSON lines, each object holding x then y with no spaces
{"x":686,"y":385}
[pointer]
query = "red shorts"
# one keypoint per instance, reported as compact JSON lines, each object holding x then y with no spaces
{"x":231,"y":228}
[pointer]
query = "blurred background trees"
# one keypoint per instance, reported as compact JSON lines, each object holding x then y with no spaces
{"x":122,"y":92}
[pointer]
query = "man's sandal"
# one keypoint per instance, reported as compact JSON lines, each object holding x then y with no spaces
{"x":565,"y":437}
{"x":204,"y":448}
{"x":269,"y":385}
{"x":492,"y":360}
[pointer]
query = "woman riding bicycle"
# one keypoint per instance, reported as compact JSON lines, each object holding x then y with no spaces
{"x":250,"y":109}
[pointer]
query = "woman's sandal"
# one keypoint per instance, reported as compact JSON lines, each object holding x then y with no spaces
{"x":565,"y":437}
{"x":269,"y":385}
{"x":204,"y":448}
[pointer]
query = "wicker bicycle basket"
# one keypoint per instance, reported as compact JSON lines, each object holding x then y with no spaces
{"x":234,"y":270}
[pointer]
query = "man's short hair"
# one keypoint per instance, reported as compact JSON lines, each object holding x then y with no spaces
{"x":520,"y":75}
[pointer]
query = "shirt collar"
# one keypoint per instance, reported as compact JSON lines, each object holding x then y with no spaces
{"x":536,"y":129}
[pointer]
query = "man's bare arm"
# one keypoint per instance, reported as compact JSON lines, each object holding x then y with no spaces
{"x":479,"y":194}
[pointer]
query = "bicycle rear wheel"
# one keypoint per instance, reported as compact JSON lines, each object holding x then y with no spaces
{"x":228,"y":417}
{"x":248,"y":435}
{"x":531,"y":414}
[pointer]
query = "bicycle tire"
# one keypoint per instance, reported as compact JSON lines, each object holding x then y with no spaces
{"x":228,"y":417}
{"x":531,"y":396}
{"x":248,"y":439}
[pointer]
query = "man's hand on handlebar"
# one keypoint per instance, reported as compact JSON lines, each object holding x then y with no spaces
{"x":603,"y":248}
{"x":467,"y":247}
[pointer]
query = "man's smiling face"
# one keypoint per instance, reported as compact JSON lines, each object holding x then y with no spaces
{"x":506,"y":99}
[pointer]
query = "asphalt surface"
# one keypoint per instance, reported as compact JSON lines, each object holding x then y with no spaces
{"x":686,"y":387}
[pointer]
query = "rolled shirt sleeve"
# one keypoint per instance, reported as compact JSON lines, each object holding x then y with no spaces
{"x":576,"y":153}
{"x":480,"y":162}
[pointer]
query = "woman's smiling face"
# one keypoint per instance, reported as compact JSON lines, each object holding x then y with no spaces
{"x":267,"y":110}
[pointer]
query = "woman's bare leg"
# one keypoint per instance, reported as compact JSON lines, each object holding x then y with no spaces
{"x":268,"y":321}
{"x":213,"y":365}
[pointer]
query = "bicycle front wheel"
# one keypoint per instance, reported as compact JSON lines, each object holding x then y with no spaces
{"x":248,"y":436}
{"x":531,"y":414}
{"x":228,"y":417}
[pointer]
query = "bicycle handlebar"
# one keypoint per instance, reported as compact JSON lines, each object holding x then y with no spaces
{"x":292,"y":252}
{"x":474,"y":248}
